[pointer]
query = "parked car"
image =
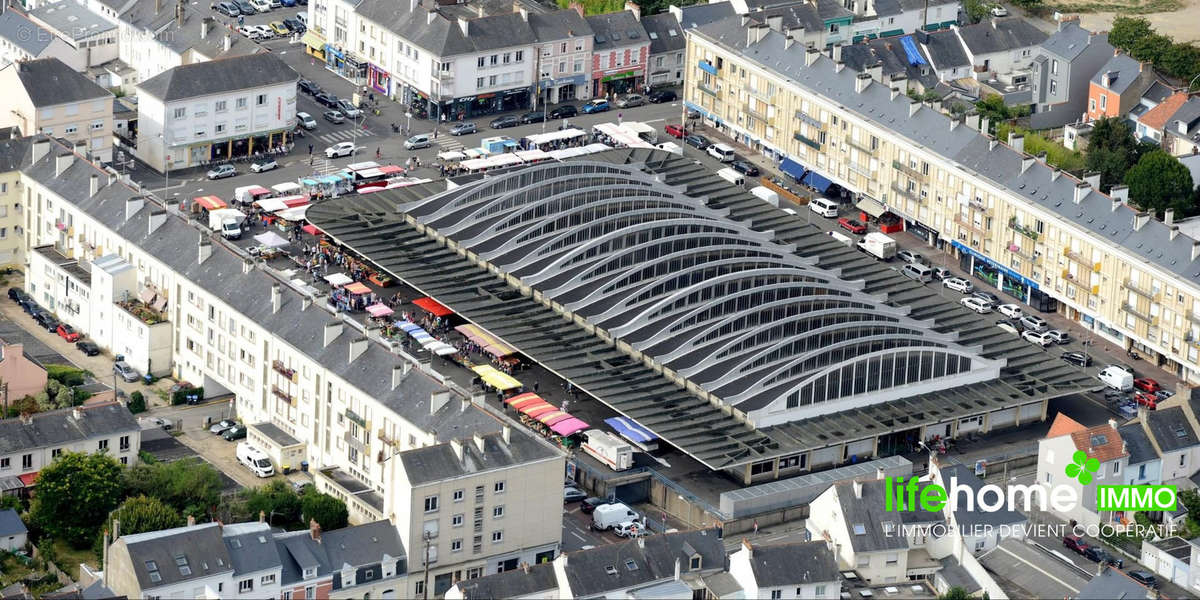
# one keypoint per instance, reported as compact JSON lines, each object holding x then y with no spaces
{"x":309,"y":87}
{"x":1008,"y":326}
{"x":1078,"y":359}
{"x":417,"y":142}
{"x":628,"y":529}
{"x":675,"y":131}
{"x":573,"y":494}
{"x":222,"y":172}
{"x":243,"y":7}
{"x":291,"y":23}
{"x":264,"y":32}
{"x":535,"y":116}
{"x":909,"y":256}
{"x":67,"y":332}
{"x":660,"y":96}
{"x":697,"y":141}
{"x":340,"y":149}
{"x":960,"y":285}
{"x":326,"y":99}
{"x":221,"y":426}
{"x":303,"y":17}
{"x":16,"y":294}
{"x":976,"y":305}
{"x":851,"y":225}
{"x":999,"y":11}
{"x":264,"y":165}
{"x":334,"y":117}
{"x":228,"y":9}
{"x":124,"y":371}
{"x":1147,"y":385}
{"x":279,"y":28}
{"x":1075,"y":544}
{"x":1059,"y":336}
{"x":631,"y":101}
{"x":990,"y":297}
{"x":504,"y":122}
{"x":744,"y":168}
{"x":88,"y":348}
{"x":1144,"y":577}
{"x":463,"y":129}
{"x":590,"y":504}
{"x":346,"y":108}
{"x":306,"y":121}
{"x":942,"y":273}
{"x":1150,"y":401}
{"x":236,"y":432}
{"x":249,"y":31}
{"x":1011,"y":311}
{"x":261,"y":6}
{"x":563,"y":112}
{"x":48,"y":322}
{"x":179,"y":387}
{"x":1037,"y":337}
{"x":595,"y":106}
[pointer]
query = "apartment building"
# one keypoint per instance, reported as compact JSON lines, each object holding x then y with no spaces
{"x":14,"y":155}
{"x":22,"y":39}
{"x":667,"y":46}
{"x":49,"y":97}
{"x":620,"y":53}
{"x":29,"y":443}
{"x":564,"y":56}
{"x":1049,"y":240}
{"x":1118,"y":86}
{"x":213,"y":110}
{"x":1101,"y":442}
{"x":91,"y":37}
{"x":803,"y":570}
{"x":1061,"y":72}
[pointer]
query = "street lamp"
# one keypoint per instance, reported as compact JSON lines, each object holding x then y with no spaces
{"x":427,"y":538}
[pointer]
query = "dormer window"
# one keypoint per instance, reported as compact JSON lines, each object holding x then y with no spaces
{"x":310,"y":572}
{"x":694,"y":562}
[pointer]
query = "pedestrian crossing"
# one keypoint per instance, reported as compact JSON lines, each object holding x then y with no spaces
{"x":449,"y":144}
{"x":344,"y":135}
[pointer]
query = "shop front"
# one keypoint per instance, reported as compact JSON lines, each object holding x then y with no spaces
{"x":563,"y":89}
{"x":469,"y":107}
{"x":617,"y":81}
{"x":379,"y":80}
{"x":1006,"y":280}
{"x":228,"y":148}
{"x":345,"y":63}
{"x":314,"y":44}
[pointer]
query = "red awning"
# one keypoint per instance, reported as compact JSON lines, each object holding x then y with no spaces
{"x":28,"y":478}
{"x":433,"y":306}
{"x":390,"y":169}
{"x":210,"y":202}
{"x":358,"y":288}
{"x":311,"y":229}
{"x":294,"y":201}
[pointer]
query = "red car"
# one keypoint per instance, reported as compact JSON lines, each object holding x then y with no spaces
{"x":1146,"y":385}
{"x":66,"y":332}
{"x":675,"y":130}
{"x":1145,"y":399}
{"x":851,"y":225}
{"x":1076,"y":543}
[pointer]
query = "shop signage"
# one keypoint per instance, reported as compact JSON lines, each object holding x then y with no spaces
{"x":620,"y":75}
{"x":353,"y":416}
{"x":707,"y":67}
{"x":1008,"y":273}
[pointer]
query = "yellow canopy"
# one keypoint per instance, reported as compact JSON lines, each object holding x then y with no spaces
{"x":495,"y":378}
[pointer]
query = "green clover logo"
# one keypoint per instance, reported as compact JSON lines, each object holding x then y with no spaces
{"x":1083,"y":467}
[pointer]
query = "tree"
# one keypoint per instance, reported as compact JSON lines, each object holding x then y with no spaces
{"x":955,"y":593}
{"x":1158,"y":182}
{"x":1180,"y":60}
{"x":137,"y":402}
{"x":329,"y":512}
{"x":140,"y":514}
{"x":75,"y":493}
{"x":1112,"y":150}
{"x":276,"y":500}
{"x":1126,"y":32}
{"x":191,"y":486}
{"x":977,"y":10}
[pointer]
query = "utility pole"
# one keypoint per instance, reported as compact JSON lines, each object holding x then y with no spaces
{"x":4,"y":389}
{"x":425,"y":575}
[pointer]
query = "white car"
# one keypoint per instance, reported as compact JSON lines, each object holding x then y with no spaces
{"x":248,"y":31}
{"x":1007,"y":325}
{"x":264,"y":32}
{"x":909,"y":256}
{"x":306,"y":121}
{"x":261,"y":6}
{"x":980,"y":306}
{"x":1011,"y":311}
{"x":263,"y":165}
{"x":629,"y":529}
{"x":959,"y":284}
{"x":340,"y":149}
{"x":999,"y":11}
{"x":1034,"y":323}
{"x":1059,"y":336}
{"x":1040,"y":339}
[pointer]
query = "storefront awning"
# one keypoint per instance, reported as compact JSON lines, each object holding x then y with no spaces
{"x":631,"y":430}
{"x":433,"y":306}
{"x":311,"y":229}
{"x":817,"y":182}
{"x":495,"y":378}
{"x":358,"y":288}
{"x":313,"y":40}
{"x":871,"y":206}
{"x":28,"y":478}
{"x":210,"y":202}
{"x":793,"y":168}
{"x":569,"y":426}
{"x":487,"y":341}
{"x":379,"y":310}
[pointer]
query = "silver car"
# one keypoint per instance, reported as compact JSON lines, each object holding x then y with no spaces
{"x":463,"y":129}
{"x":631,"y":101}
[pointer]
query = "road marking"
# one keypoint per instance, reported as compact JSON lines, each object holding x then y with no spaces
{"x":579,"y":537}
{"x":654,"y":121}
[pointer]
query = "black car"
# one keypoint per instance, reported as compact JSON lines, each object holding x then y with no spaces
{"x":564,"y":111}
{"x":744,"y":168}
{"x":47,"y":321}
{"x":698,"y":141}
{"x":504,"y":122}
{"x":87,"y":347}
{"x":1078,"y":359}
{"x":1097,"y":554}
{"x":294,"y":25}
{"x":589,"y":505}
{"x":533,"y":117}
{"x":1144,"y":577}
{"x":988,"y":296}
{"x":326,"y":99}
{"x":309,"y":87}
{"x":244,"y":7}
{"x":16,"y":294}
{"x":662,"y":96}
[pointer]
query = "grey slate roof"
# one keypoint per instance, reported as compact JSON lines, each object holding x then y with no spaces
{"x":944,"y":49}
{"x":616,"y":30}
{"x":703,"y":14}
{"x":511,"y":584}
{"x":1189,"y":113}
{"x":780,"y":565}
{"x":72,"y":19}
{"x":218,"y":76}
{"x":201,"y":545}
{"x":1000,"y":35}
{"x":59,"y":427}
{"x":435,"y":463}
{"x":594,"y":571}
{"x":1112,"y":583}
{"x":1171,"y":429}
{"x":10,"y":523}
{"x":890,"y":52}
{"x":441,"y":34}
{"x":15,"y":153}
{"x":1034,"y":574}
{"x":23,"y":33}
{"x":953,"y":573}
{"x":664,"y":32}
{"x":887,"y":8}
{"x":50,"y":82}
{"x":1137,"y":444}
{"x":870,"y":512}
{"x":1125,"y":70}
{"x":809,"y":15}
{"x":363,"y":545}
{"x":252,"y":552}
{"x":1157,"y":92}
{"x":276,"y":434}
{"x":1071,"y":40}
{"x":972,"y":518}
{"x":558,"y":25}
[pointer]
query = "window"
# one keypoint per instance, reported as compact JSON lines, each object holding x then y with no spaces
{"x":1054,"y":67}
{"x":55,"y":453}
{"x":180,"y":113}
{"x":499,"y":487}
{"x":494,"y":59}
{"x":97,"y":125}
{"x":520,"y":56}
{"x":820,"y":591}
{"x":456,"y":520}
{"x":240,"y":103}
{"x":458,"y":495}
{"x":478,"y":82}
{"x":420,"y":589}
{"x":181,"y":561}
{"x":220,"y":128}
{"x":152,"y":571}
{"x":498,"y":512}
{"x":1053,"y":87}
{"x":69,"y":129}
{"x":481,"y":62}
{"x":102,"y":445}
{"x":124,"y":443}
{"x":507,"y":57}
{"x":220,"y":106}
{"x":7,"y":464}
{"x":456,"y":545}
{"x":979,"y":545}
{"x":497,"y":537}
{"x":246,"y":585}
{"x":431,"y":503}
{"x":893,"y":558}
{"x":1103,"y":101}
{"x":694,"y":563}
{"x":267,"y":579}
{"x":1141,"y":471}
{"x":776,"y":594}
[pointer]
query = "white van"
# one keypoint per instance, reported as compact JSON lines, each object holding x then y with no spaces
{"x":765,"y":194}
{"x":607,"y":515}
{"x":731,"y":176}
{"x":256,"y":460}
{"x":841,"y":237}
{"x":1117,"y":378}
{"x":824,"y":207}
{"x":722,"y":152}
{"x":918,"y":272}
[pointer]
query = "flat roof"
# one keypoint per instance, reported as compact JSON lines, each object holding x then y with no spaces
{"x":70,"y":265}
{"x":277,"y":435}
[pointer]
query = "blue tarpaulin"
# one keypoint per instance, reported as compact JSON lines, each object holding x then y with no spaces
{"x":911,"y":52}
{"x":631,"y":430}
{"x":817,"y":182}
{"x":792,"y":168}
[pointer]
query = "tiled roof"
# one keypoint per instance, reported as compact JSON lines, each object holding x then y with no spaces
{"x":1157,"y":117}
{"x":1063,"y":425}
{"x":1100,"y":442}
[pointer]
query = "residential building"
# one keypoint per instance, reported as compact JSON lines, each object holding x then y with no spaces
{"x":1001,"y":49}
{"x":620,"y":52}
{"x":1057,"y":449}
{"x":1118,"y":86}
{"x":1172,"y":432}
{"x":476,"y":506}
{"x":214,"y":110}
{"x":13,"y":533}
{"x":667,"y":46}
{"x":51,"y":98}
{"x":1145,"y":466}
{"x":528,"y":582}
{"x":695,"y":15}
{"x":564,"y":55}
{"x":1152,"y":121}
{"x":30,"y":442}
{"x":894,"y":17}
{"x":92,"y":38}
{"x":22,"y":39}
{"x":946,"y":54}
{"x":981,"y":530}
{"x":22,"y":376}
{"x":1062,"y":68}
{"x":15,"y":154}
{"x":1112,"y":583}
{"x":362,"y":561}
{"x":890,"y":56}
{"x":1025,"y":571}
{"x":1182,"y":133}
{"x":1170,"y":559}
{"x":799,"y":570}
{"x":905,"y":156}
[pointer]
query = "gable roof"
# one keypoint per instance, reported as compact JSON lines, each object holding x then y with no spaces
{"x":944,"y":49}
{"x":50,"y":82}
{"x":1189,"y":114}
{"x":1112,"y":583}
{"x":439,"y":462}
{"x":1171,"y":429}
{"x":23,"y":33}
{"x":1071,"y":40}
{"x":664,"y":32}
{"x":362,"y":545}
{"x":1137,"y":443}
{"x":1157,"y":117}
{"x":10,"y":523}
{"x":200,"y":547}
{"x":558,"y":25}
{"x":1124,"y":70}
{"x":868,"y":524}
{"x":778,"y":565}
{"x":1000,"y":35}
{"x":1016,"y":563}
{"x":616,"y":30}
{"x":595,"y":571}
{"x":1101,"y":442}
{"x":218,"y":76}
{"x":1158,"y":91}
{"x":1063,"y":425}
{"x":964,"y":516}
{"x":252,"y":552}
{"x":60,"y":427}
{"x":515,"y":583}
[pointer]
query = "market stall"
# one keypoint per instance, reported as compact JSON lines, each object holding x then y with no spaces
{"x":338,"y":279}
{"x":451,"y":156}
{"x":311,"y":229}
{"x":495,"y":378}
{"x":287,"y":188}
{"x":433,"y":307}
{"x":532,"y":156}
{"x":379,"y":310}
{"x":357,"y":288}
{"x":548,"y":140}
{"x":249,"y":194}
{"x":490,"y":344}
{"x":208,"y":203}
{"x":271,"y":239}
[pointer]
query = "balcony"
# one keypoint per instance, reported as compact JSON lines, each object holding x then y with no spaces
{"x":1140,"y":290}
{"x":899,"y":191}
{"x":143,"y":312}
{"x":811,"y":121}
{"x":911,"y":172}
{"x":354,"y":442}
{"x":289,"y":374}
{"x":353,"y":416}
{"x":282,"y":395}
{"x":1016,"y":250}
{"x":1021,"y":229}
{"x":1081,"y":260}
{"x":761,"y":116}
{"x":387,"y":439}
{"x":814,"y":144}
{"x":861,"y":148}
{"x":1129,"y":309}
{"x":970,"y":225}
{"x":707,"y":90}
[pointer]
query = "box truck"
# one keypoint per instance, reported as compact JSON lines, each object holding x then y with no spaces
{"x":227,"y":222}
{"x":607,"y":515}
{"x":765,"y":194}
{"x":608,"y":449}
{"x":878,"y":245}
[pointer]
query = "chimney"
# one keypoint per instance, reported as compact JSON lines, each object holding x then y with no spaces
{"x":1107,"y":78}
{"x":479,"y":13}
{"x":332,"y":330}
{"x":116,"y":529}
{"x":895,"y":94}
{"x":276,"y":298}
{"x":876,"y":71}
{"x":788,"y":40}
{"x":464,"y":25}
{"x":861,"y":82}
{"x":1081,"y":191}
{"x":104,"y":574}
{"x":158,"y":216}
{"x":478,"y":439}
{"x":179,"y":13}
{"x":305,"y":302}
{"x":437,"y":400}
{"x":810,"y":56}
{"x":40,"y":149}
{"x":1174,"y":232}
{"x":836,"y":54}
{"x":412,"y":5}
{"x":577,"y":7}
{"x":1195,"y":249}
{"x":1169,"y":216}
{"x":1017,"y":141}
{"x":1092,"y":178}
{"x":1140,"y":220}
{"x":992,"y":143}
{"x":204,"y":250}
{"x":774,"y":22}
{"x":157,"y":6}
{"x":748,"y":547}
{"x":205,"y":25}
{"x":77,"y":413}
{"x":1027,"y":160}
{"x":506,"y":434}
{"x":745,"y":20}
{"x":457,"y":447}
{"x":755,"y":34}
{"x":838,"y":65}
{"x":314,"y":530}
{"x":227,"y":43}
{"x":1119,"y":194}
{"x":262,"y":516}
{"x":93,"y":185}
{"x":676,"y":567}
{"x":62,"y":162}
{"x":972,"y":121}
{"x":430,"y":16}
{"x":954,"y":123}
{"x":913,"y":108}
{"x":357,"y":347}
{"x":191,"y":521}
{"x":133,"y":205}
{"x":641,"y":542}
{"x":524,"y":14}
{"x":525,"y":567}
{"x":79,"y":147}
{"x":985,"y":124}
{"x":398,"y":373}
{"x":247,"y":266}
{"x":1054,"y":173}
{"x":857,"y":485}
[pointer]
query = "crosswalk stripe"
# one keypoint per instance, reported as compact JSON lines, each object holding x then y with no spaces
{"x":341,"y":136}
{"x":450,"y":145}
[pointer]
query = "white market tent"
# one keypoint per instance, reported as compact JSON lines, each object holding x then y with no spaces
{"x":338,"y":279}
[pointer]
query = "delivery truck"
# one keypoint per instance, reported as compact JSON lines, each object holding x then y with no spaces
{"x":608,"y":449}
{"x":607,"y":515}
{"x":878,"y":245}
{"x":227,"y":222}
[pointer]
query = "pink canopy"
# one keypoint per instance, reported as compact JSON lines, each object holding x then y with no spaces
{"x":379,"y":310}
{"x":568,"y":426}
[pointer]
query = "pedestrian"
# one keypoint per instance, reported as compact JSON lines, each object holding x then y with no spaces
{"x":310,"y":149}
{"x":756,"y":527}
